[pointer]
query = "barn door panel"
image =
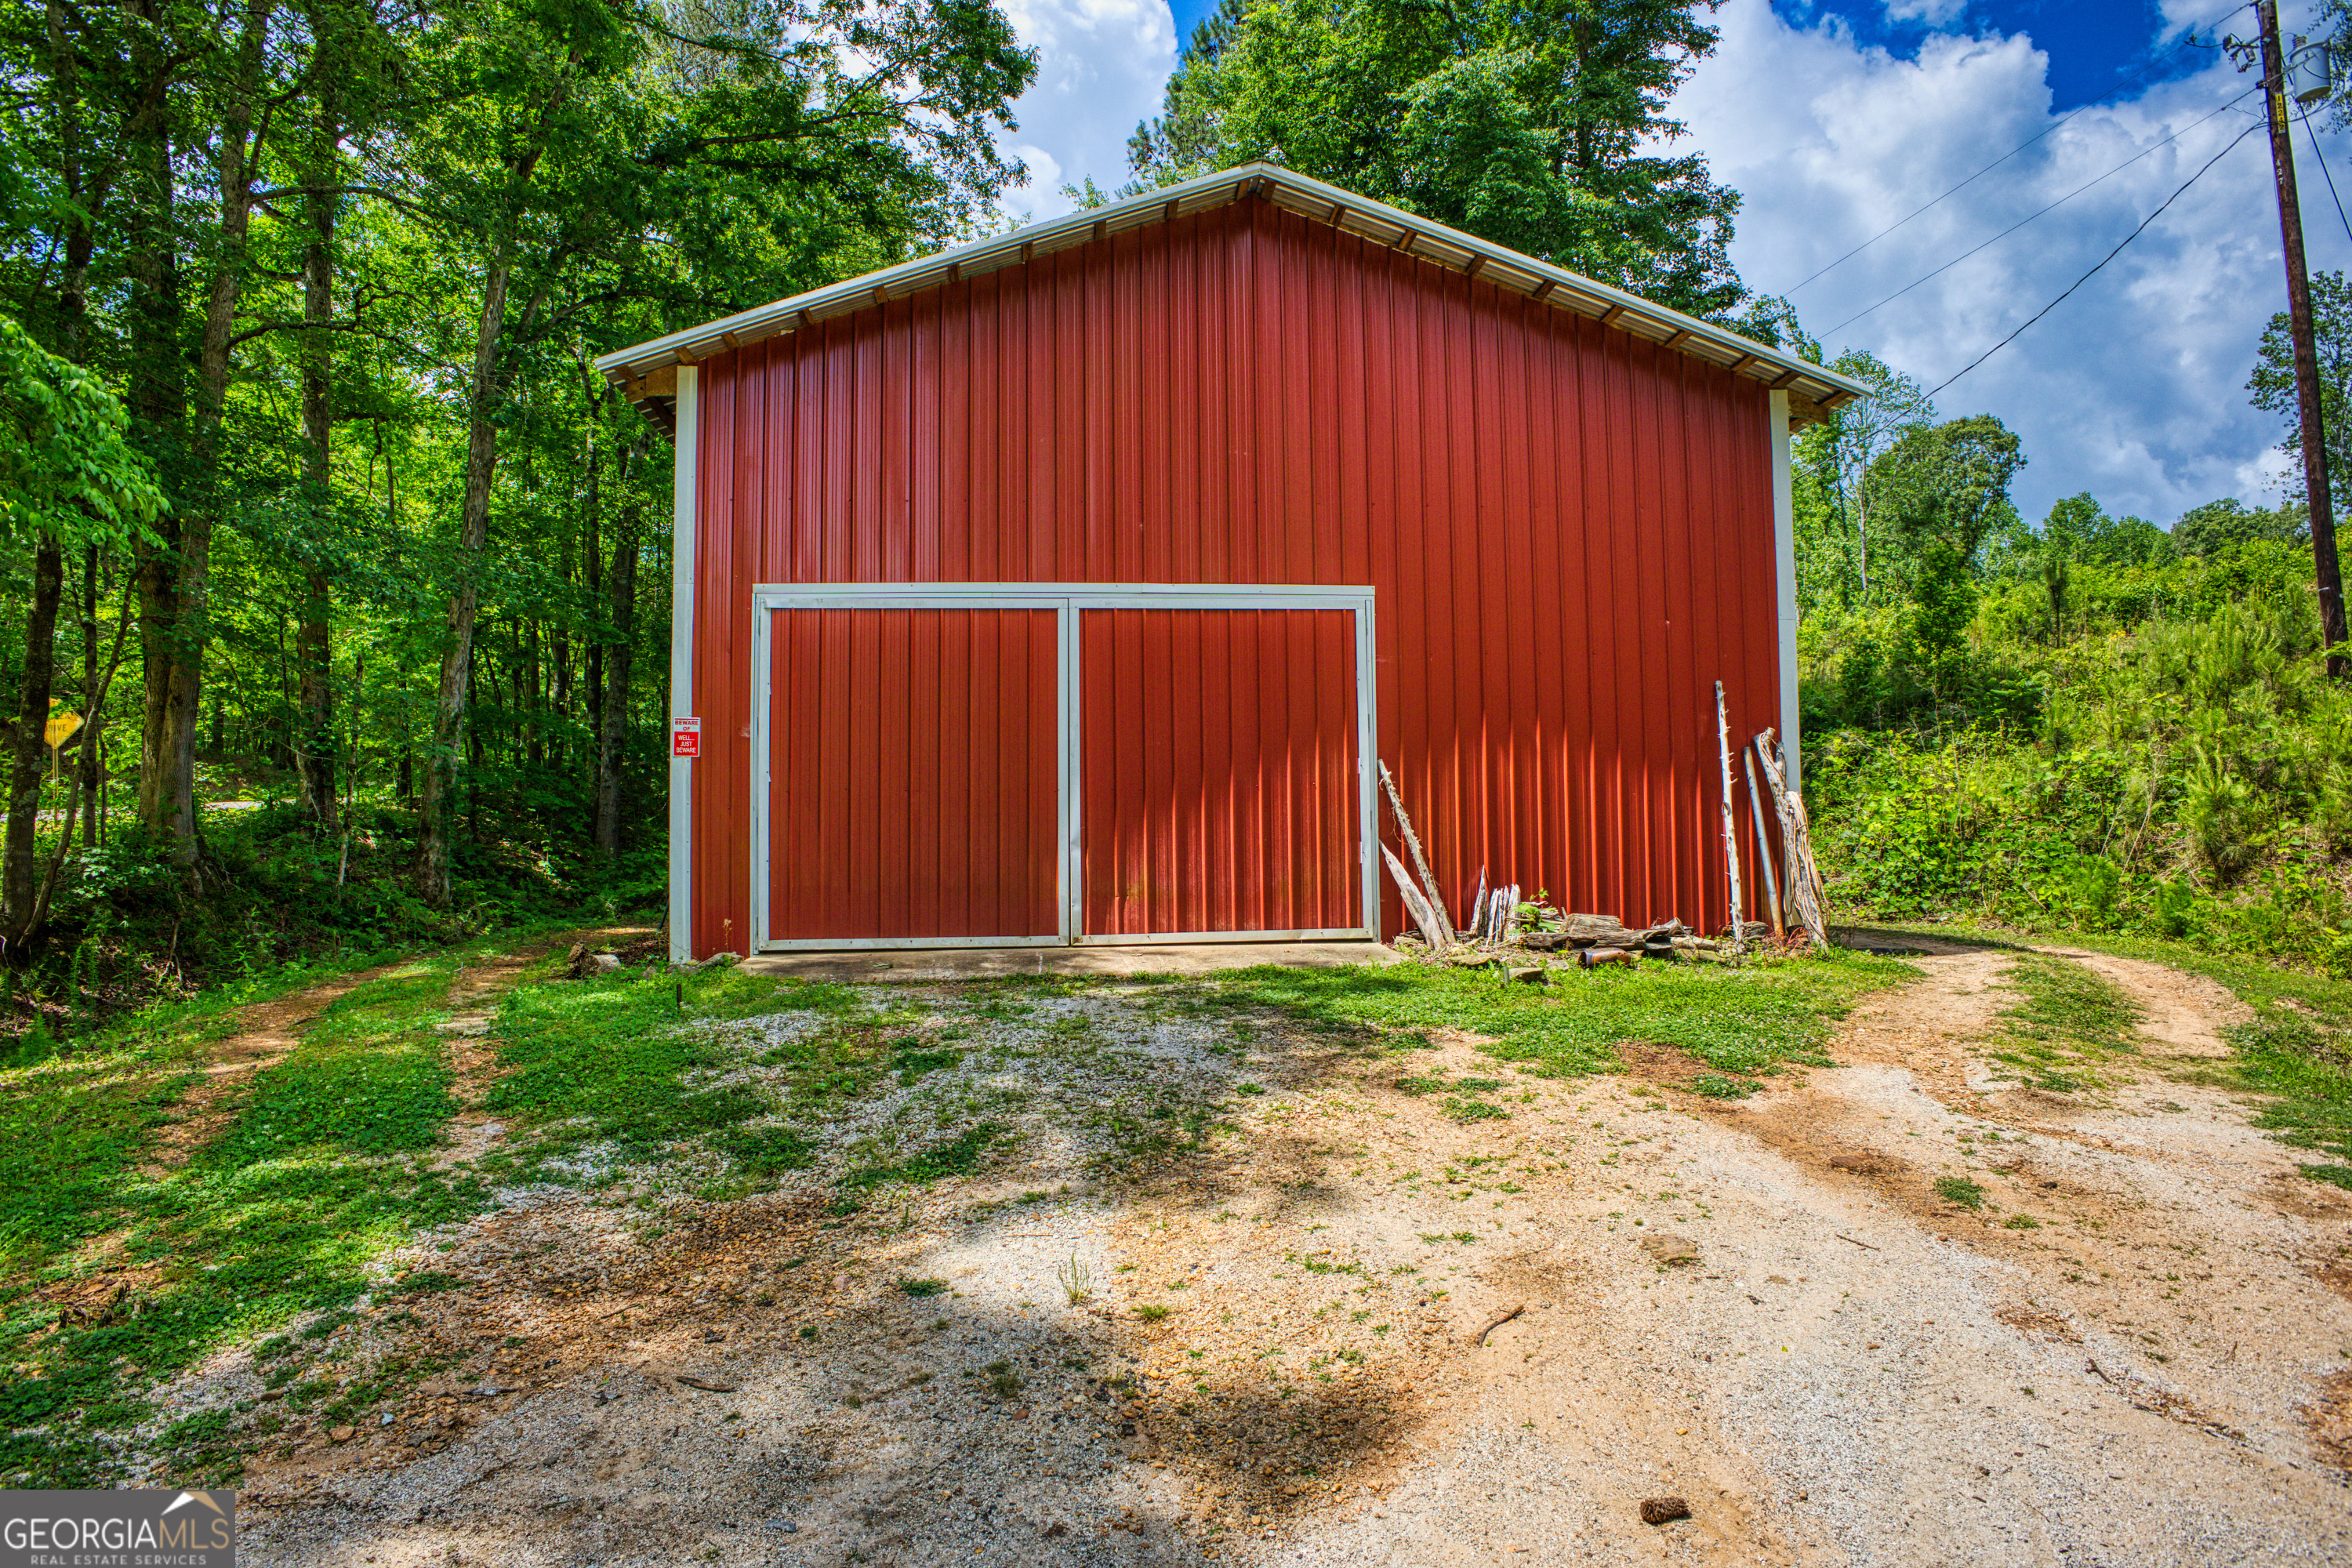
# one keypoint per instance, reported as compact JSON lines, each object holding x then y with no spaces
{"x":914,"y":776}
{"x":1219,"y":789}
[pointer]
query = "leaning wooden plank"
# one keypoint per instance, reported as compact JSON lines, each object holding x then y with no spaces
{"x":1478,"y":908}
{"x":1421,"y":861}
{"x":1805,"y":857}
{"x":1802,"y":884}
{"x":1763,"y":846}
{"x":1803,"y":900}
{"x":1433,"y":930}
{"x":1730,"y":823}
{"x":1506,"y":918}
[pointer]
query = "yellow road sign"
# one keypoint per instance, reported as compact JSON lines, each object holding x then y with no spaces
{"x":61,"y":726}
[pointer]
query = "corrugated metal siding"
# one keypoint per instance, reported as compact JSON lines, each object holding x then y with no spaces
{"x":1569,"y":530}
{"x":1218,"y":751}
{"x":915,"y":761}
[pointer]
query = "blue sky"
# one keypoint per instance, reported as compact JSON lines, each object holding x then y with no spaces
{"x":2092,"y":43}
{"x":1834,"y":118}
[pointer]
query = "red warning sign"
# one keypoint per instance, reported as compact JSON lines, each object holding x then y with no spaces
{"x":685,"y":737}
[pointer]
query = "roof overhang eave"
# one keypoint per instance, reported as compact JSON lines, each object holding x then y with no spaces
{"x":646,"y":372}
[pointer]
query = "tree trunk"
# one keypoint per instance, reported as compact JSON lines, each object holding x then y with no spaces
{"x":175,"y":661}
{"x":159,"y":410}
{"x":437,"y":808}
{"x":93,"y":778}
{"x":314,"y":740}
{"x":612,"y":725}
{"x":19,"y":865}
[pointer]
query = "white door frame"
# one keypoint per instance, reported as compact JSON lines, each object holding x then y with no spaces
{"x":1069,"y":601}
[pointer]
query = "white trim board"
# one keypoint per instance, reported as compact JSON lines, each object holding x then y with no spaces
{"x":1784,"y":568}
{"x":684,"y":525}
{"x":1069,"y":601}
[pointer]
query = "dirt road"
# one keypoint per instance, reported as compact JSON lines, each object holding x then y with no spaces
{"x":1910,"y":1308}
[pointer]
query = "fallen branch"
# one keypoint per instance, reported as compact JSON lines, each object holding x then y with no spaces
{"x":1420,"y":861}
{"x":1433,"y":930}
{"x":1499,"y":1323}
{"x":1843,"y":1237}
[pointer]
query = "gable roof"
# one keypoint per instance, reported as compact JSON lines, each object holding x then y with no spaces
{"x":647,"y":374}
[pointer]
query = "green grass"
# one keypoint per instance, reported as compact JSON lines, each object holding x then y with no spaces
{"x":1721,"y":1085}
{"x":598,"y":1075}
{"x":317,"y":1172}
{"x":1734,"y":1020}
{"x":955,"y":1157}
{"x":1961,"y":1191}
{"x":2067,"y":1022}
{"x":2296,"y":1051}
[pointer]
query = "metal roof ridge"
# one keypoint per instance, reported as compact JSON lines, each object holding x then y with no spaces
{"x":1227,"y":186}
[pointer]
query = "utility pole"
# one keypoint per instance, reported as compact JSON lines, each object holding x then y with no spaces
{"x":2307,"y":356}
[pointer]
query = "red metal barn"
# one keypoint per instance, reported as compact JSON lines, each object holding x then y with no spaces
{"x":1062,"y":588}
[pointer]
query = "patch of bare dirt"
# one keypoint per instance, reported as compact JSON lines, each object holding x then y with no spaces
{"x":1301,"y":1348}
{"x":2330,"y":1416}
{"x":473,"y":991}
{"x":267,"y":1031}
{"x":2185,"y":1013}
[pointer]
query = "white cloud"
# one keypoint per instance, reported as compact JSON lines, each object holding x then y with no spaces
{"x":2134,"y":388}
{"x":1100,"y":67}
{"x":1935,"y":13}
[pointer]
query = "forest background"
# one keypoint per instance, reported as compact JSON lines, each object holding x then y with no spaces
{"x":314,"y":514}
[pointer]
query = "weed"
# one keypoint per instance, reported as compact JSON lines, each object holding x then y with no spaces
{"x":1078,"y":1280}
{"x":1737,"y":1021}
{"x":1721,"y":1086}
{"x":1961,"y":1191}
{"x":956,"y":1157}
{"x":920,"y":1287}
{"x":1152,"y":1313}
{"x":2069,"y":1022}
{"x":2021,"y":1221}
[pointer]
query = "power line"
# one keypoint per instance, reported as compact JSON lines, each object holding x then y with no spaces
{"x":2188,"y":39}
{"x":2086,"y":277}
{"x":2054,"y":206}
{"x":2322,"y":156}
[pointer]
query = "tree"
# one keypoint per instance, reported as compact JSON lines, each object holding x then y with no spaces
{"x":2273,"y":382}
{"x":69,"y":479}
{"x":2222,"y":525}
{"x":595,"y":154}
{"x":2078,"y":529}
{"x":1945,"y":488}
{"x":1543,"y":128}
{"x":1833,"y":457}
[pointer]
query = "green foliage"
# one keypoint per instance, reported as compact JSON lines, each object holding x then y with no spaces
{"x":2176,"y":764}
{"x":956,"y":1157}
{"x":67,"y":467}
{"x":317,"y":1174}
{"x":1961,"y":1191}
{"x":2273,"y":382}
{"x":2067,"y":1022}
{"x":603,"y":1073}
{"x":1543,"y":128}
{"x":1721,"y":1086}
